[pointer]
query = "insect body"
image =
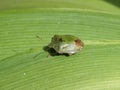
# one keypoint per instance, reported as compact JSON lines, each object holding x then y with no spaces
{"x":66,"y":44}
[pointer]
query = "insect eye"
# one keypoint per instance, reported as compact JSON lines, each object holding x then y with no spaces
{"x":60,"y":39}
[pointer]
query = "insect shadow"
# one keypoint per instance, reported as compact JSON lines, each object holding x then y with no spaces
{"x":52,"y":52}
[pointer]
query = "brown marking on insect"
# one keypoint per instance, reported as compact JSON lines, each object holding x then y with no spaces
{"x":79,"y":43}
{"x":56,"y":37}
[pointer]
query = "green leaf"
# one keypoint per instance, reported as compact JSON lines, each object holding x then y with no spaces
{"x":24,"y":64}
